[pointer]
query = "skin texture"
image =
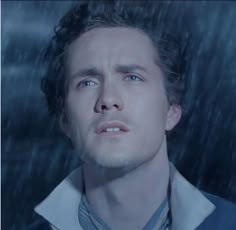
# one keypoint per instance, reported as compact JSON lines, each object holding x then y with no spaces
{"x":112,"y":75}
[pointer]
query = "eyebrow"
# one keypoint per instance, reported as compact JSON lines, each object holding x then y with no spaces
{"x":129,"y":68}
{"x":86,"y":72}
{"x":118,"y":68}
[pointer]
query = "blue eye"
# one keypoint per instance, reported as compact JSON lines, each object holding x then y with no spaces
{"x":132,"y":77}
{"x":86,"y":83}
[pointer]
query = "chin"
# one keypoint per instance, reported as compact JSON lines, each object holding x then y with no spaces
{"x":113,"y":160}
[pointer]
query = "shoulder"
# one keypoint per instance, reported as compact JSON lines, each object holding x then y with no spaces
{"x":222,"y":205}
{"x":224,"y":215}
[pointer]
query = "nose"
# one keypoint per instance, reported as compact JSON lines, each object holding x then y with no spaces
{"x":109,"y":99}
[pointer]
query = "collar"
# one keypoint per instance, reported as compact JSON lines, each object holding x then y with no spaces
{"x":189,"y":207}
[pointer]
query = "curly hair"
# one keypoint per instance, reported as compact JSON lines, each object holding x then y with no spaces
{"x":147,"y":16}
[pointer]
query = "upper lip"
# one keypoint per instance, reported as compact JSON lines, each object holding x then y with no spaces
{"x":111,"y":124}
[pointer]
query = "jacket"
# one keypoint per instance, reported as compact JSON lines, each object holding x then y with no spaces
{"x":191,"y":209}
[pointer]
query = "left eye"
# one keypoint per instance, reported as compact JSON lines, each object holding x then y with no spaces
{"x":133,"y":78}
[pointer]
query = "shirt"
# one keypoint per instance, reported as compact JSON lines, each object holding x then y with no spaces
{"x":88,"y":219}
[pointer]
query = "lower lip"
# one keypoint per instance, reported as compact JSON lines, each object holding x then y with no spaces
{"x":112,"y":134}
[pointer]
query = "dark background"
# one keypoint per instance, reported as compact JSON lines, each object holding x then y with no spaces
{"x":35,"y":154}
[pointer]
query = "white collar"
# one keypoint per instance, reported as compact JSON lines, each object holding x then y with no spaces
{"x":189,"y":207}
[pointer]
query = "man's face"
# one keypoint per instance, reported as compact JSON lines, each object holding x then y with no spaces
{"x":116,"y":109}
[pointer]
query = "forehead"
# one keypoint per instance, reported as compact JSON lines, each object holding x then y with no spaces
{"x":116,"y":45}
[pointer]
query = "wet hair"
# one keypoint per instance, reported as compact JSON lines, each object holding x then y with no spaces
{"x":147,"y":16}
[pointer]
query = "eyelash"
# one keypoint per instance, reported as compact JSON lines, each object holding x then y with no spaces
{"x":84,"y":82}
{"x":133,"y":75}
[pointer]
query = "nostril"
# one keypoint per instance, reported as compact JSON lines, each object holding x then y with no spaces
{"x":116,"y":106}
{"x":103,"y":107}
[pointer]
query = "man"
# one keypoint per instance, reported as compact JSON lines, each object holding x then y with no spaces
{"x":115,"y":82}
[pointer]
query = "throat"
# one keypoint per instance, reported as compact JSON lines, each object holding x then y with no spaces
{"x":129,"y":199}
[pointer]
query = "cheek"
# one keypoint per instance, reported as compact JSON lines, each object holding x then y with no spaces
{"x":154,"y":112}
{"x":80,"y":105}
{"x":78,"y":113}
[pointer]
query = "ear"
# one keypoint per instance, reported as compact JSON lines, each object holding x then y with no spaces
{"x":64,"y":124}
{"x":173,"y":116}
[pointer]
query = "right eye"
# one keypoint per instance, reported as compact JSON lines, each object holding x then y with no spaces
{"x":86,"y":83}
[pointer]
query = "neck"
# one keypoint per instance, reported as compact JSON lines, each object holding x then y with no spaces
{"x":128,"y":200}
